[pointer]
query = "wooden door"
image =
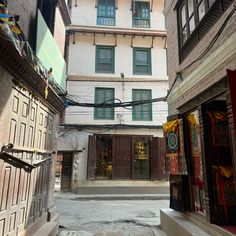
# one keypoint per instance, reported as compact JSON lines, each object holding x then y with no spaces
{"x":141,"y":157}
{"x":23,"y":197}
{"x":66,"y":175}
{"x":121,"y":157}
{"x":91,"y":166}
{"x":158,"y":152}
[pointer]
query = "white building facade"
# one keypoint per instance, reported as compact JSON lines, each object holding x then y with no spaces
{"x":116,"y":54}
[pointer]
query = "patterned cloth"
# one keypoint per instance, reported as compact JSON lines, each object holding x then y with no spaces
{"x":175,"y":156}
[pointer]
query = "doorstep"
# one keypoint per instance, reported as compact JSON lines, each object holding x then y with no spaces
{"x":187,"y":224}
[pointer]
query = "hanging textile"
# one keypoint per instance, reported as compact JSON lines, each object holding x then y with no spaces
{"x":175,"y":156}
{"x":220,"y":130}
{"x":196,"y":156}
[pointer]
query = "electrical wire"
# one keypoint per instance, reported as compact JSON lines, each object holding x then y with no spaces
{"x":213,"y":41}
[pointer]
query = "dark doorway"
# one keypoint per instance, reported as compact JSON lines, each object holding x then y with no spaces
{"x":219,"y":162}
{"x":141,"y":147}
{"x":66,"y":173}
{"x":103,"y":169}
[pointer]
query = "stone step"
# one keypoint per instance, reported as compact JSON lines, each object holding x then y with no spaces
{"x":176,"y":223}
{"x":124,"y":190}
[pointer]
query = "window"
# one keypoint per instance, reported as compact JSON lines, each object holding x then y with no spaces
{"x":103,"y":95}
{"x":104,"y":59}
{"x":106,"y":11}
{"x":142,"y":61}
{"x":195,"y":19}
{"x":191,"y":12}
{"x":143,"y":111}
{"x":48,"y":8}
{"x":141,"y":14}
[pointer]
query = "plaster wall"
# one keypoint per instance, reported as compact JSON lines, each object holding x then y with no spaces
{"x":83,"y":92}
{"x":82,"y":56}
{"x":85,"y":14}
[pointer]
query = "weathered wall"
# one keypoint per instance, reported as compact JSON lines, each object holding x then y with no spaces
{"x":27,"y":10}
{"x":207,"y":71}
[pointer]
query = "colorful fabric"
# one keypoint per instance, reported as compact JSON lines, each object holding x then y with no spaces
{"x":220,"y":128}
{"x":175,"y":156}
{"x":196,"y":156}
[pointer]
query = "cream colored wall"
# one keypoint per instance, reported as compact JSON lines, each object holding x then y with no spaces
{"x":84,"y":93}
{"x":86,"y":14}
{"x":82,"y":56}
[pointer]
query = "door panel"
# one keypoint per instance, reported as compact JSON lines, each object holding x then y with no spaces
{"x":158,"y":158}
{"x":141,"y":150}
{"x":141,"y":169}
{"x":122,"y":157}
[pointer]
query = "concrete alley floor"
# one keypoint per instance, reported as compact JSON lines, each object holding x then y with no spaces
{"x":110,"y":217}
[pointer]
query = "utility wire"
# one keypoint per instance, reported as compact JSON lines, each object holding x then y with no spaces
{"x":219,"y":32}
{"x":111,"y":104}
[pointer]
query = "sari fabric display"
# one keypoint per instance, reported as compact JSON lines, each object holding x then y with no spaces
{"x":196,"y":155}
{"x":175,"y":156}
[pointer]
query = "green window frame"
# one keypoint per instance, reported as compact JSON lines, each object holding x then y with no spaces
{"x":106,"y":12}
{"x":105,"y":59}
{"x":142,"y":61}
{"x":141,"y":14}
{"x":142,"y":112}
{"x":103,"y":95}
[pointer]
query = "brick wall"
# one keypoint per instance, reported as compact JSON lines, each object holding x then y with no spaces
{"x":27,"y":9}
{"x":173,"y":54}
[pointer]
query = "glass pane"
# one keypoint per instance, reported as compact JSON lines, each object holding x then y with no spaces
{"x":105,"y":67}
{"x":184,"y":35}
{"x":201,"y":10}
{"x":191,"y":24}
{"x":141,"y":57}
{"x":183,"y":16}
{"x":105,"y":55}
{"x":190,"y":7}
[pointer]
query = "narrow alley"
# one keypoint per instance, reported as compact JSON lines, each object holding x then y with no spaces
{"x":97,"y":217}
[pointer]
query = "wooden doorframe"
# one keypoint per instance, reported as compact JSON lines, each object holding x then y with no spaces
{"x":69,"y":165}
{"x":133,"y":157}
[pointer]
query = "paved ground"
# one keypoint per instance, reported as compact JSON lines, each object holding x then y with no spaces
{"x":109,"y":217}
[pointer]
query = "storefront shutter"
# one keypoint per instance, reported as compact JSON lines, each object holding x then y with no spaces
{"x":158,"y":152}
{"x":122,"y":157}
{"x":91,"y":157}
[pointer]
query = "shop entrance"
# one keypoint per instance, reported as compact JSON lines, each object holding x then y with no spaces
{"x":141,"y":158}
{"x":219,"y":165}
{"x":63,"y":171}
{"x":122,"y":157}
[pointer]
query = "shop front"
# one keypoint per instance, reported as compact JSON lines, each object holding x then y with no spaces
{"x":113,"y":157}
{"x":200,"y":155}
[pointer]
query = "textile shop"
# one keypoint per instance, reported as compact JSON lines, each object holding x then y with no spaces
{"x":200,"y":154}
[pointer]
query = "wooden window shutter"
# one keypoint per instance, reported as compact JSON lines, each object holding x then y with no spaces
{"x":121,"y":157}
{"x":91,"y":158}
{"x":158,"y":152}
